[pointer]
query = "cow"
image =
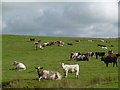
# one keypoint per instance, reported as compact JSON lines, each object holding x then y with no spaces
{"x":110,"y":59}
{"x":19,"y":66}
{"x":32,"y":39}
{"x":90,"y":54}
{"x":46,"y":74}
{"x":99,"y":54}
{"x":38,"y":45}
{"x":69,"y":44}
{"x":74,"y":55}
{"x":82,"y":58}
{"x":70,"y":68}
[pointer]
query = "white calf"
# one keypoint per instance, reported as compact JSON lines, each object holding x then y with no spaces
{"x":70,"y":68}
{"x":45,"y":74}
{"x":19,"y":66}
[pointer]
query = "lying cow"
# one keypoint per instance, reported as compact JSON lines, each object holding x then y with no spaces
{"x":74,"y":55}
{"x":82,"y":58}
{"x":60,"y":43}
{"x":45,"y":74}
{"x":70,"y":68}
{"x":109,"y":59}
{"x":38,"y":45}
{"x":19,"y":66}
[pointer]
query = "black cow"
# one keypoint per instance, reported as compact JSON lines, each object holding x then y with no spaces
{"x":32,"y":39}
{"x":109,"y":59}
{"x":69,"y":44}
{"x":99,"y":54}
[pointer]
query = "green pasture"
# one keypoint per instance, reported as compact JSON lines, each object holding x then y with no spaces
{"x":93,"y":73}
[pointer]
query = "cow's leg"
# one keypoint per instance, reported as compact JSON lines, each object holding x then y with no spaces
{"x":113,"y":64}
{"x":116,"y":64}
{"x":96,"y":56}
{"x":36,"y":47}
{"x":77,"y":74}
{"x":106,"y":64}
{"x":40,"y":78}
{"x":66,"y":73}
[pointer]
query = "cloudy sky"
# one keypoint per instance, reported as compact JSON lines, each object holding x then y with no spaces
{"x":64,"y":19}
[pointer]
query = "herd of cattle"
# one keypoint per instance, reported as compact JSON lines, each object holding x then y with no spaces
{"x":78,"y":56}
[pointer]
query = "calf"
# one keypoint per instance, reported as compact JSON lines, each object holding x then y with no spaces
{"x":45,"y":74}
{"x":109,"y":59}
{"x":20,"y":66}
{"x":70,"y":68}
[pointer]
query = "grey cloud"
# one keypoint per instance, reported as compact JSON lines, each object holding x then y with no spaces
{"x":60,"y":19}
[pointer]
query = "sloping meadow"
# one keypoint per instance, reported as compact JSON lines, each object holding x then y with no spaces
{"x":93,"y":73}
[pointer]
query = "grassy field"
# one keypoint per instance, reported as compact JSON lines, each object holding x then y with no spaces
{"x":93,"y":73}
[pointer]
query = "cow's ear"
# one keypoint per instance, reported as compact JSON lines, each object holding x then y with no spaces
{"x":41,"y":67}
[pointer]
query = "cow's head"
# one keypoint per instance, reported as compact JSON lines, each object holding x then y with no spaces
{"x":39,"y":70}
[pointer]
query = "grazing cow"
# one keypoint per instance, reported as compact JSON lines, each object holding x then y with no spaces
{"x":45,"y":74}
{"x":99,"y":54}
{"x":20,"y":66}
{"x":70,"y":68}
{"x":109,"y":59}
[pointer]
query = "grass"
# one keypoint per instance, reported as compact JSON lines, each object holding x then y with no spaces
{"x":93,"y":73}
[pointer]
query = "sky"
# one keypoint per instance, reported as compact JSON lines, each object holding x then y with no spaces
{"x":92,"y":18}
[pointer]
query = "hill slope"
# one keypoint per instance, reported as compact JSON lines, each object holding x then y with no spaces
{"x":20,"y":48}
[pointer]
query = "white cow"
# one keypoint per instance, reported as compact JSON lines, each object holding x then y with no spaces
{"x":70,"y":68}
{"x":20,"y":66}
